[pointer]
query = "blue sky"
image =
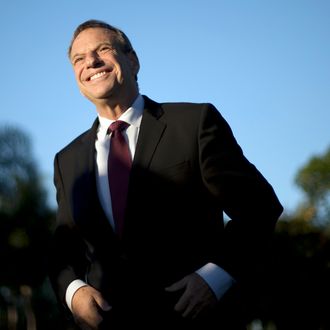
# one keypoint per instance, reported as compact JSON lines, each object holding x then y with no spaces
{"x":264,"y":64}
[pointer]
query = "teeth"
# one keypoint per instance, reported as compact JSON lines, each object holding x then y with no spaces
{"x":98,"y":75}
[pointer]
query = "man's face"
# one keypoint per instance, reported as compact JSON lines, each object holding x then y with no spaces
{"x":102,"y":70}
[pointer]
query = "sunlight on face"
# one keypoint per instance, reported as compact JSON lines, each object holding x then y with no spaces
{"x":101,"y":68}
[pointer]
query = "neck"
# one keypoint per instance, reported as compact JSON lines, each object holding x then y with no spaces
{"x":113,"y":109}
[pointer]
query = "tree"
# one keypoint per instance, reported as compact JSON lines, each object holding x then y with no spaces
{"x":296,"y":290}
{"x":299,"y":287}
{"x":314,"y":180}
{"x":17,"y":167}
{"x":25,"y":225}
{"x":24,"y":215}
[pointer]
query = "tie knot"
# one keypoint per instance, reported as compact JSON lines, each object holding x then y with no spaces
{"x":118,"y":125}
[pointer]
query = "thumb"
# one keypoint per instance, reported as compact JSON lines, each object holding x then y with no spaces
{"x":177,"y":286}
{"x":102,"y":303}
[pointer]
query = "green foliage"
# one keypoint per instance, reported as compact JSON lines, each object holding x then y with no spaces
{"x":19,"y":178}
{"x":299,"y":286}
{"x":25,"y":223}
{"x":24,"y":216}
{"x":314,"y":180}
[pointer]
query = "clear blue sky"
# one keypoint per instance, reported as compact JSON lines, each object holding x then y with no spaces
{"x":265,"y":64}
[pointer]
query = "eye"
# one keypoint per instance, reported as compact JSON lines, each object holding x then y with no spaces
{"x":104,"y":49}
{"x":77,"y":59}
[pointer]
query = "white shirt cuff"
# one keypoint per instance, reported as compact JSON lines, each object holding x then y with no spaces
{"x":71,"y":290}
{"x":217,"y":279}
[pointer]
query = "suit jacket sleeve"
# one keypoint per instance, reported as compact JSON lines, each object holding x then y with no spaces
{"x":67,"y":260}
{"x":241,"y":191}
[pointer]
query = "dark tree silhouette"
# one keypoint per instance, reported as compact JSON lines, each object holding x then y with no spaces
{"x":26,"y":299}
{"x":314,"y":179}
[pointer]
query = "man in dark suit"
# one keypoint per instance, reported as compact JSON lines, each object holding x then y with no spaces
{"x":174,"y":262}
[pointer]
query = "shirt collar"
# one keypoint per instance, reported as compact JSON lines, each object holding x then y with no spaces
{"x":132,"y":115}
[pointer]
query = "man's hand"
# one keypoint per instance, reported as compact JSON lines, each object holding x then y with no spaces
{"x":87,"y":303}
{"x":197,"y":297}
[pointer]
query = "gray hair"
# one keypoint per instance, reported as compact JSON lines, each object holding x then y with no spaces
{"x":120,"y":36}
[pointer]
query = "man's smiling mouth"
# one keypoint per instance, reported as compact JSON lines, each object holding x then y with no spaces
{"x":97,"y":75}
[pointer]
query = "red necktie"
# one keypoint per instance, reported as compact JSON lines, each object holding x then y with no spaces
{"x":119,"y":165}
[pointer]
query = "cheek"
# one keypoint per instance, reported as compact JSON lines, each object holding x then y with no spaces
{"x":78,"y":73}
{"x":118,"y":71}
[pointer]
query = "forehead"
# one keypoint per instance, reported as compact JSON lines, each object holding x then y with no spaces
{"x":89,"y":39}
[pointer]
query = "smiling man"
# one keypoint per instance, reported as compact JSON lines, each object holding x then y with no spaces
{"x":139,"y":235}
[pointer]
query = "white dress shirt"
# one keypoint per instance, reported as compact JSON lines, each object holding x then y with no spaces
{"x":216,"y":277}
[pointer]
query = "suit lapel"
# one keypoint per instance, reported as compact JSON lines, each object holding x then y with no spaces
{"x":85,"y":203}
{"x":83,"y":180}
{"x":88,"y":149}
{"x":151,"y":131}
{"x":93,"y":219}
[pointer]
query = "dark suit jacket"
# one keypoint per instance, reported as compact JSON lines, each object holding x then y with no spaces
{"x":188,"y":169}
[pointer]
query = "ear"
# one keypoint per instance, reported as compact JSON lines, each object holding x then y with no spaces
{"x":134,"y":61}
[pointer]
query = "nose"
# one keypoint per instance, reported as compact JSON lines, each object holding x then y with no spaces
{"x":93,"y":60}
